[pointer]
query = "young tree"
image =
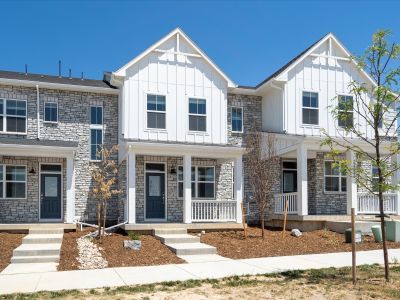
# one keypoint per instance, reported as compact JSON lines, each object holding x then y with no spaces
{"x":104,"y":176}
{"x":370,"y":115}
{"x":262,"y":163}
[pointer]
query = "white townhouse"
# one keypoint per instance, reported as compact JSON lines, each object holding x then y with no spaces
{"x":180,"y":122}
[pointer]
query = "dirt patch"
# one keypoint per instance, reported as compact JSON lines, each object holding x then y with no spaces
{"x":8,"y":242}
{"x":153,"y":252}
{"x":233,"y":244}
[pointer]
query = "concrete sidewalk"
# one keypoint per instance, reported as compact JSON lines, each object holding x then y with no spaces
{"x":113,"y":277}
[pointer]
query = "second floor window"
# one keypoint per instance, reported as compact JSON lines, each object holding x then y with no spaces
{"x":156,"y":112}
{"x":13,"y":116}
{"x":51,"y":112}
{"x":96,"y":132}
{"x":310,"y":108}
{"x":237,"y":119}
{"x":197,"y":114}
{"x":345,"y":111}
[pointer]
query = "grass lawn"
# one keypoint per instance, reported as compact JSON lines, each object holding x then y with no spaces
{"x":232,"y":244}
{"x":316,"y":284}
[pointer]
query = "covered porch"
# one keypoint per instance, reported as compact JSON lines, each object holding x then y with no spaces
{"x":311,"y":186}
{"x":182,"y":184}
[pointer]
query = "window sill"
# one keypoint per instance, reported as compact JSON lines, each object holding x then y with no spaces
{"x":156,"y":130}
{"x":237,"y":132}
{"x":13,"y":133}
{"x":50,"y":122}
{"x":13,"y":198}
{"x":334,"y":193}
{"x":198,"y":133}
{"x":310,"y":126}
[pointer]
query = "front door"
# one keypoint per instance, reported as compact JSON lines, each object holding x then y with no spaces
{"x":50,"y":196}
{"x":155,"y":195}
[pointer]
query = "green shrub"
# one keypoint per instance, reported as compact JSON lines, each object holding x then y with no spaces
{"x":134,"y":236}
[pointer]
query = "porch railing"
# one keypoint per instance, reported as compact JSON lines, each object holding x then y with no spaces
{"x":280,"y":200}
{"x":213,"y":211}
{"x":369,"y":204}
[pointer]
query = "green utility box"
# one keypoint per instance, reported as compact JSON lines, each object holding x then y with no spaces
{"x":392,"y":230}
{"x":376,"y":230}
{"x":357,"y":237}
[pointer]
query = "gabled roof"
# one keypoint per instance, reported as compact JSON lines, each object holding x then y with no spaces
{"x":298,"y":58}
{"x":122,"y":70}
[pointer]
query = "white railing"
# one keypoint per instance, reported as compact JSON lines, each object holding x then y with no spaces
{"x":369,"y":204}
{"x":280,"y":200}
{"x":213,"y":210}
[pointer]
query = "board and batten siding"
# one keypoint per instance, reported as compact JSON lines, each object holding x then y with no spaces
{"x":325,"y":76}
{"x":178,"y":78}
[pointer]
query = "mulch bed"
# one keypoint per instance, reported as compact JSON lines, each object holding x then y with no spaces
{"x":233,"y":245}
{"x":153,"y":252}
{"x":8,"y":242}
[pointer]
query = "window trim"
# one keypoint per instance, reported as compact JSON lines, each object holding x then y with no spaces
{"x":197,"y":115}
{"x":3,"y":113}
{"x":242,"y":113}
{"x":196,"y":181}
{"x":44,"y":112}
{"x":345,"y":111}
{"x":340,"y":176}
{"x":155,"y":111}
{"x":283,"y":169}
{"x":307,"y":107}
{"x":4,"y":182}
{"x":98,"y":127}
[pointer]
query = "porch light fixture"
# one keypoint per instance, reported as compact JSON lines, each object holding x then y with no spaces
{"x":173,"y":170}
{"x":32,"y":171}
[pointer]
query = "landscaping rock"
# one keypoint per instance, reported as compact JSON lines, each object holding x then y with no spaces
{"x":296,"y":233}
{"x":134,"y":245}
{"x":89,"y":255}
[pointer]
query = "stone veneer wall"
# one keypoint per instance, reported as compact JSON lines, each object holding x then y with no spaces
{"x":27,"y":210}
{"x":223,"y":185}
{"x":73,"y":125}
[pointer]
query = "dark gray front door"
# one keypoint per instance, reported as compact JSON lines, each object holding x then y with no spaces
{"x":50,"y":196}
{"x":155,"y":196}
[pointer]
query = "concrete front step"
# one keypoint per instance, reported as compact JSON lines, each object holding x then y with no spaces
{"x":191,"y":248}
{"x":46,"y":231}
{"x":42,"y":239}
{"x":21,"y":268}
{"x":159,"y":231}
{"x":177,"y":238}
{"x":35,"y":259}
{"x":37,"y":250}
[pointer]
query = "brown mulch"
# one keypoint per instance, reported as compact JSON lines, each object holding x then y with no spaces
{"x":233,"y":245}
{"x":8,"y":242}
{"x":153,"y":252}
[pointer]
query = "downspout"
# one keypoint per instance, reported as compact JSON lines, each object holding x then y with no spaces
{"x":37,"y":112}
{"x":283,"y":105}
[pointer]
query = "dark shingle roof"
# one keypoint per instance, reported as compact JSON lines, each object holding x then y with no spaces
{"x":280,"y":70}
{"x":55,"y":79}
{"x":36,"y":142}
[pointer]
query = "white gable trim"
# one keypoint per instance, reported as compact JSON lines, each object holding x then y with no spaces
{"x":281,"y":76}
{"x":122,"y":71}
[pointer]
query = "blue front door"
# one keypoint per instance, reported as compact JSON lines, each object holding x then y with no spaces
{"x":155,"y":195}
{"x":50,"y":196}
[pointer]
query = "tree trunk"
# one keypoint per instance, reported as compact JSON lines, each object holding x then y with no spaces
{"x":99,"y":218}
{"x":384,"y":245}
{"x":262,"y":224}
{"x":104,"y":216}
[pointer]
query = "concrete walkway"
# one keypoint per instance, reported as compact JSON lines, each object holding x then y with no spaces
{"x":113,"y":277}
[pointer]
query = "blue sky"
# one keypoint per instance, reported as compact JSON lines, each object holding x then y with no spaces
{"x":248,"y":39}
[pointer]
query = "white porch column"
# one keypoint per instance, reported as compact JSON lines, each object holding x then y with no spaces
{"x":396,"y":180}
{"x":187,"y":188}
{"x":131,"y":186}
{"x":302,"y":181}
{"x":70,"y":213}
{"x":351,"y":186}
{"x":238,"y":164}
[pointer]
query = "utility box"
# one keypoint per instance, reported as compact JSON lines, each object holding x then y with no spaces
{"x":357,"y":236}
{"x":392,"y":230}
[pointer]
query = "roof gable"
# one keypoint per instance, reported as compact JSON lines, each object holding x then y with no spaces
{"x":176,"y":42}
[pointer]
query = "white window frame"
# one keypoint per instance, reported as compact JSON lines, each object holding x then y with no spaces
{"x":309,"y":107}
{"x":196,"y":181}
{"x":242,"y":114}
{"x":340,"y":176}
{"x":98,"y":127}
{"x":197,"y":115}
{"x":283,"y":169}
{"x":4,"y":182}
{"x":44,"y":112}
{"x":156,"y":111}
{"x":4,"y":114}
{"x":344,"y":111}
